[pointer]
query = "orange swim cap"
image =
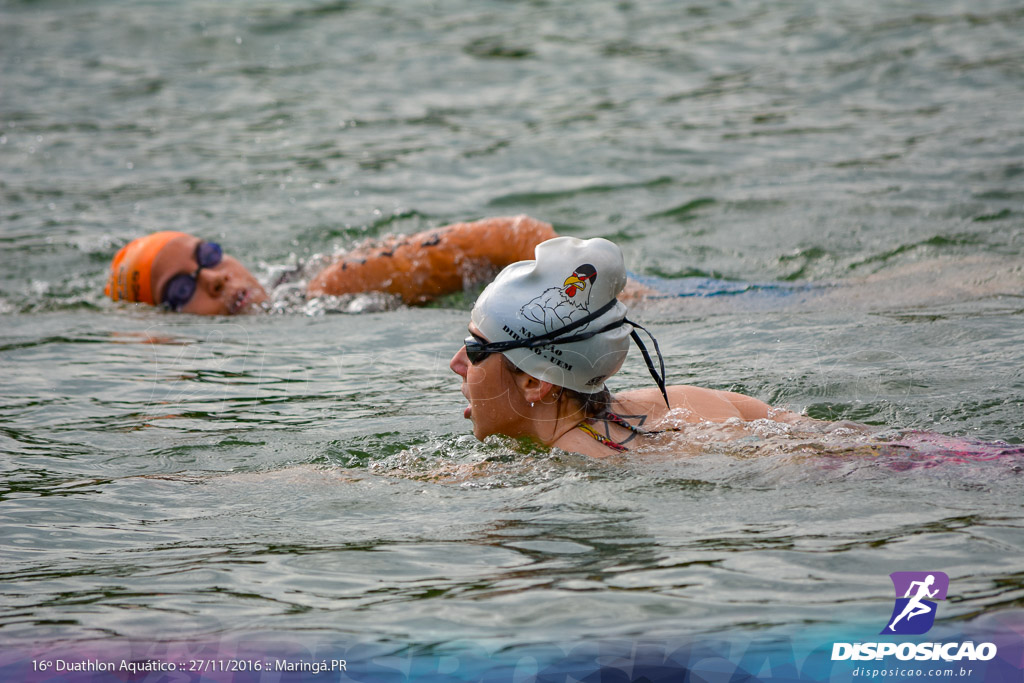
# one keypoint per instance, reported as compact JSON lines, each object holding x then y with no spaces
{"x":130,"y":270}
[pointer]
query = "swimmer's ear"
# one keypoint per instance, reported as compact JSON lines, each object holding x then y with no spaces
{"x":533,"y":390}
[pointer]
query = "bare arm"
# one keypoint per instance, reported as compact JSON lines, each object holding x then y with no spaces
{"x":424,"y":266}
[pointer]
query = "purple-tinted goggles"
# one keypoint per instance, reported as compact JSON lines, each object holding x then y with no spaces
{"x":181,"y":288}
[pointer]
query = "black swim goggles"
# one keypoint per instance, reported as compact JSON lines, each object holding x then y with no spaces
{"x":180,"y":289}
{"x":478,"y":349}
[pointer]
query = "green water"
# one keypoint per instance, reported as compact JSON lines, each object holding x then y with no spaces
{"x":175,"y":477}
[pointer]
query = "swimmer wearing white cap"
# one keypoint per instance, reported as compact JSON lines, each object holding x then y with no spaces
{"x":544,"y":338}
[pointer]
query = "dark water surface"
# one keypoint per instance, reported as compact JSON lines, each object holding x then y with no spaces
{"x":175,"y":477}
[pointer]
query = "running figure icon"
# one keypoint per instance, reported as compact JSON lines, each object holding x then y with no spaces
{"x":915,"y":592}
{"x":915,"y":607}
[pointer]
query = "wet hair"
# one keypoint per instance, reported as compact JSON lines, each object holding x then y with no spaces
{"x":591,"y":405}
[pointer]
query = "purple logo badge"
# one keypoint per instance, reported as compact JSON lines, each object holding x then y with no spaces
{"x":914,"y":611}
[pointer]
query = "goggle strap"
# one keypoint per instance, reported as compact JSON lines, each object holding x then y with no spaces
{"x":659,"y":379}
{"x":552,"y":337}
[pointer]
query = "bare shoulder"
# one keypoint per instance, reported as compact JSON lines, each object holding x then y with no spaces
{"x":696,"y":403}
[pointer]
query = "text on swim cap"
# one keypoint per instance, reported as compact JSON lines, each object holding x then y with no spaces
{"x":548,"y":352}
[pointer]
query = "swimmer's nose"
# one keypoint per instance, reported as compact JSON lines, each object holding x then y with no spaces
{"x":460,"y":362}
{"x":212,"y":280}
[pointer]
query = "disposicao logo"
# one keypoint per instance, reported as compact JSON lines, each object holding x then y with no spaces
{"x":914,"y":614}
{"x":914,"y":611}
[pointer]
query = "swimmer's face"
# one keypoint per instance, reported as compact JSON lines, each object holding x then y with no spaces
{"x":226,"y":288}
{"x":495,"y":404}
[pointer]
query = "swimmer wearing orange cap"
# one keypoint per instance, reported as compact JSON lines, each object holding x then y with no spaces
{"x":184,"y":273}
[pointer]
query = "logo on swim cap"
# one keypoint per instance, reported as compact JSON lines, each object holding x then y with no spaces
{"x":914,"y":613}
{"x":556,"y":307}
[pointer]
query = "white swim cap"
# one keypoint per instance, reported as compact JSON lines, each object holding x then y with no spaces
{"x":569,"y":291}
